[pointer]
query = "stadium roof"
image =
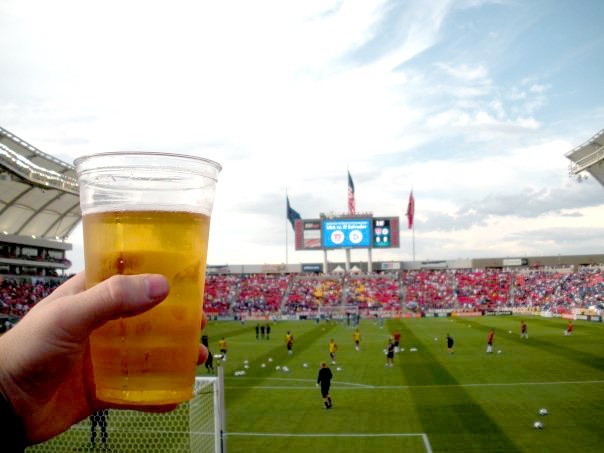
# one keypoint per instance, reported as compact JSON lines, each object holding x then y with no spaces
{"x":39,"y":195}
{"x":589,"y":157}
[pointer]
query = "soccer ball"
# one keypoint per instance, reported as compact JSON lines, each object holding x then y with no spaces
{"x":385,"y":351}
{"x":339,"y":368}
{"x":435,"y":338}
{"x":305,"y":365}
{"x":270,"y":359}
{"x":538,"y":425}
{"x":245,"y":362}
{"x":543,"y":411}
{"x":509,"y":331}
{"x":277,"y":368}
{"x":284,"y":369}
{"x":246,"y":366}
{"x":412,"y":349}
{"x":263,"y":365}
{"x":499,"y":351}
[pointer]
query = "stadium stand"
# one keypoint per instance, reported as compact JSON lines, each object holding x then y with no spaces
{"x":588,"y":157}
{"x":39,"y":207}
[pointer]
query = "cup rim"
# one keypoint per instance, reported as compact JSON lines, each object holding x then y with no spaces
{"x":213,"y":163}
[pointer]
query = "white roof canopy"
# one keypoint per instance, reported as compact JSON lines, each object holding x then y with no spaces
{"x":589,"y":157}
{"x":39,"y":194}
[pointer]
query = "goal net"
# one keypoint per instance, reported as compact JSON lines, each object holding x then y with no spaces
{"x":194,"y":426}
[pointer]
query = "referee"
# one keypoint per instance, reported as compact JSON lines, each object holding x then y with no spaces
{"x":324,"y":379}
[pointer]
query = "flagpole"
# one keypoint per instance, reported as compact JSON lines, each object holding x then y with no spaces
{"x":411,"y":208}
{"x":413,"y":231}
{"x":286,"y":220}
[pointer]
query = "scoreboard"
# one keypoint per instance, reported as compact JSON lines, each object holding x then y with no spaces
{"x":347,"y":232}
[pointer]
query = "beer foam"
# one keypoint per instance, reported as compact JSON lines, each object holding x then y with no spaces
{"x":205,"y":210}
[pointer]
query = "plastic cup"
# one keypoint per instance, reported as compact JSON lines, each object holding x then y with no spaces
{"x":147,"y":213}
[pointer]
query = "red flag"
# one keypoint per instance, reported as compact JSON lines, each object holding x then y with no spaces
{"x":410,"y":210}
{"x":351,"y":204}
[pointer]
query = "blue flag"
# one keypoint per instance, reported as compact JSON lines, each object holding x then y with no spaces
{"x":292,"y":214}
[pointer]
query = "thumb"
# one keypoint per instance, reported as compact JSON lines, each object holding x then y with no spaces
{"x":117,"y":297}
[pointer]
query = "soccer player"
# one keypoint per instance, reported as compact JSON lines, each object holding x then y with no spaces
{"x":222,"y":345}
{"x":390,"y":354}
{"x":262,"y":331}
{"x":99,"y":418}
{"x":356,"y":337}
{"x":569,"y":329}
{"x":257,"y":331}
{"x":397,"y":338}
{"x":324,"y":380}
{"x":333,"y":347}
{"x":490,"y":337}
{"x":209,"y":363}
{"x":289,"y":342}
{"x":450,"y":344}
{"x":268,"y":331}
{"x":523,"y":330}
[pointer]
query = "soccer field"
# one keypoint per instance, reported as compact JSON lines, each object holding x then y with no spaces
{"x":429,"y":400}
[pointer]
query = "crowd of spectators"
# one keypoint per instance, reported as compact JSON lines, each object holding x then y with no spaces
{"x":558,"y":290}
{"x":18,"y":296}
{"x":309,"y":293}
{"x":370,"y":292}
{"x":261,"y":293}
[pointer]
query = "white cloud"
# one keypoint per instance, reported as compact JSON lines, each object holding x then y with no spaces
{"x":286,"y":95}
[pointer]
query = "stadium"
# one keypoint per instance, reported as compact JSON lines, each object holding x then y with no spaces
{"x":542,"y":387}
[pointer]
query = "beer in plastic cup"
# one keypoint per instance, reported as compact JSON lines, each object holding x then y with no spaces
{"x":147,"y":213}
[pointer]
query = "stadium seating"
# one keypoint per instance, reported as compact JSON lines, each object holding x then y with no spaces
{"x":558,"y":290}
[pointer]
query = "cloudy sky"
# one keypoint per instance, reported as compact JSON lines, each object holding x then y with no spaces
{"x":472,"y":103}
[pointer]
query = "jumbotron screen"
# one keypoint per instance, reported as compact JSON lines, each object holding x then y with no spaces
{"x":343,"y":233}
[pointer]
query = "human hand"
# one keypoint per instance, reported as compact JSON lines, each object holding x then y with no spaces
{"x":45,"y":368}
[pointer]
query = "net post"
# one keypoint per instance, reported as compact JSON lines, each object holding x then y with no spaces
{"x":219,"y":414}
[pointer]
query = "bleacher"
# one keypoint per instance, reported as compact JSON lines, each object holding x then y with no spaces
{"x":260,"y":295}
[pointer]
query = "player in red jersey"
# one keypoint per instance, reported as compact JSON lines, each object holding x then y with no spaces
{"x":396,"y":336}
{"x":490,"y":337}
{"x":523,"y":330}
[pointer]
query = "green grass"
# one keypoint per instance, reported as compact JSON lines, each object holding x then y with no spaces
{"x":468,"y":401}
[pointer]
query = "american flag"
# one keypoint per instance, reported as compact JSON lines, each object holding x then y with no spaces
{"x":410,"y":210}
{"x":351,"y":204}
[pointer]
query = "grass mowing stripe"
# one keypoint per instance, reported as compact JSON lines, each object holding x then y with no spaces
{"x":573,"y":355}
{"x":279,"y":355}
{"x":462,"y":421}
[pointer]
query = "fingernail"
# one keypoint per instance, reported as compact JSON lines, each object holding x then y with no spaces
{"x":156,"y":286}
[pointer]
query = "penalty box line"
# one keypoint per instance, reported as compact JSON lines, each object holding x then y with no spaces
{"x":424,"y":436}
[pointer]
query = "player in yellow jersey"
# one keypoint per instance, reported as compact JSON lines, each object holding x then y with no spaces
{"x":289,"y":342}
{"x":333,"y":347}
{"x":222,"y":345}
{"x":356,"y":337}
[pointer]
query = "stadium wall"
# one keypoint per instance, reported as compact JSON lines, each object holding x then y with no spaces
{"x":393,"y":266}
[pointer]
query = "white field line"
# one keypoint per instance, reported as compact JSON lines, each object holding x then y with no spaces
{"x":353,"y":386}
{"x":424,"y":436}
